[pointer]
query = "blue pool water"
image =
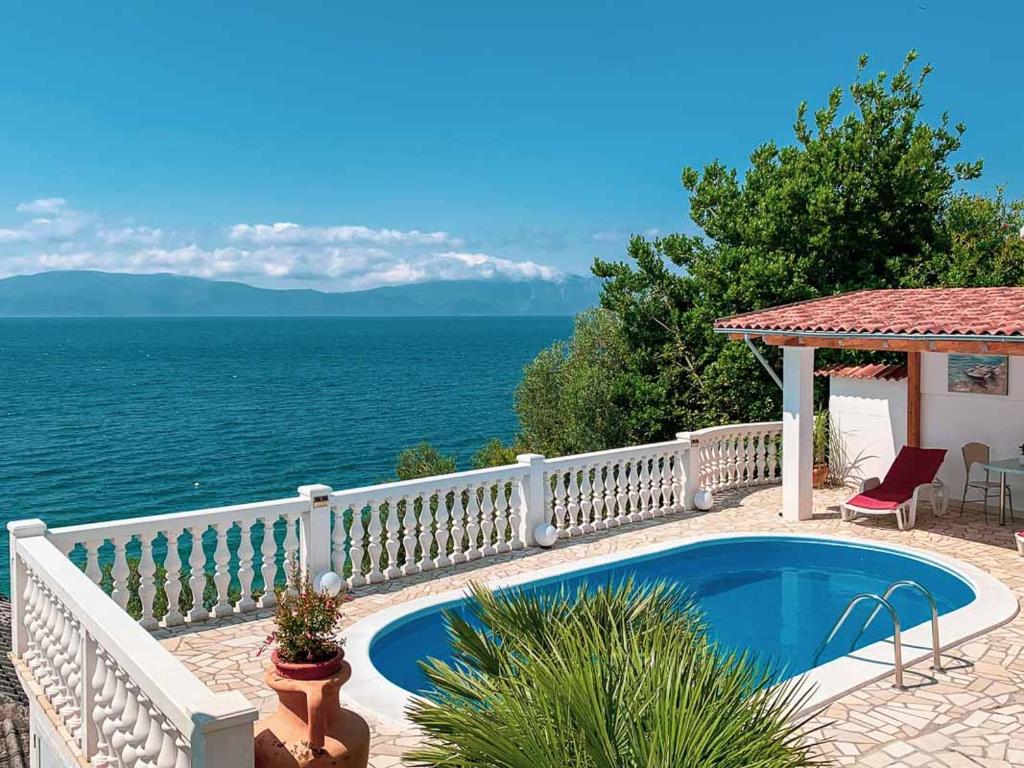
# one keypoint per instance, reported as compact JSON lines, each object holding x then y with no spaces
{"x":776,"y":596}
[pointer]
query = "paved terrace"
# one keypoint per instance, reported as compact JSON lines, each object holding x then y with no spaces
{"x":970,"y":716}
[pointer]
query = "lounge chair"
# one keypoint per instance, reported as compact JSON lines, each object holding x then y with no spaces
{"x":910,"y":478}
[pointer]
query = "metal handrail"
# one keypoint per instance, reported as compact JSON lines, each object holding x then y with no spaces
{"x":897,"y":647}
{"x":936,"y":657}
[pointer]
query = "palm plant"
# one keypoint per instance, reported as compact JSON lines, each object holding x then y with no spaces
{"x":613,"y":677}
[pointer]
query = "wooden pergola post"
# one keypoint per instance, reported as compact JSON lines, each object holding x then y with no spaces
{"x":914,"y":399}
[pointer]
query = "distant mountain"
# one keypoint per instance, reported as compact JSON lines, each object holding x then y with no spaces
{"x":107,"y":294}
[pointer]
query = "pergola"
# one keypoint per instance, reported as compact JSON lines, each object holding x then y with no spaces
{"x":914,"y":321}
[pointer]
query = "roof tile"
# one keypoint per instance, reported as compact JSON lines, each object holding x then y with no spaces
{"x":909,"y":311}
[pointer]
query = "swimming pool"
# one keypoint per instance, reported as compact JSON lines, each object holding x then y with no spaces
{"x":775,"y":595}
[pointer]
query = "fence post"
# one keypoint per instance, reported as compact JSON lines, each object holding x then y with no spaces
{"x":20,"y":529}
{"x":689,"y":452}
{"x":222,"y":735}
{"x":531,"y":498}
{"x":315,"y":531}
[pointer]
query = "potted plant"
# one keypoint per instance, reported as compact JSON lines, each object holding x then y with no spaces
{"x":820,"y":436}
{"x":305,"y":637}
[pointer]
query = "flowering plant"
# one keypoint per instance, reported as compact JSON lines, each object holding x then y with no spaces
{"x":306,"y":623}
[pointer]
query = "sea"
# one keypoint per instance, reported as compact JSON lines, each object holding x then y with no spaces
{"x":103,"y":419}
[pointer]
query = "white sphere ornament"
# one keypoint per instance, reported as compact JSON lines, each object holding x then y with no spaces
{"x":703,"y":500}
{"x":330,"y":583}
{"x":545,"y":535}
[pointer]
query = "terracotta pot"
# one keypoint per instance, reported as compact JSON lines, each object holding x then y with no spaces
{"x":310,"y":728}
{"x":317,"y":671}
{"x":819,"y":475}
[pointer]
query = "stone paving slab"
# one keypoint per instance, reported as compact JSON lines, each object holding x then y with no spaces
{"x":971,"y":715}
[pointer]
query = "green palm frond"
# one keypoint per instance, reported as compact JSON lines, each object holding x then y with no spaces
{"x":615,"y":677}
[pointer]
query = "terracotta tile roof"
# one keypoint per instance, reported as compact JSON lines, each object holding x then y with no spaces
{"x":883,"y":371}
{"x":913,"y":311}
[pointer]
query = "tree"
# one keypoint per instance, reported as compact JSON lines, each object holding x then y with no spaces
{"x":494,"y":454}
{"x":568,"y":400}
{"x":423,"y":460}
{"x":613,"y":676}
{"x":866,"y":197}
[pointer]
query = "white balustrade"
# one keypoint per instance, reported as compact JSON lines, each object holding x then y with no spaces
{"x":123,"y":699}
{"x":193,"y":566}
{"x":738,"y":455}
{"x":212,"y":563}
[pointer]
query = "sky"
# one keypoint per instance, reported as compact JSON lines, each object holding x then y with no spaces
{"x":342,"y":145}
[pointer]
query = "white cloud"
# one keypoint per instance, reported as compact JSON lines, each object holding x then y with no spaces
{"x":130,"y":235}
{"x":342,"y":257}
{"x":287,"y":233}
{"x":48,"y":205}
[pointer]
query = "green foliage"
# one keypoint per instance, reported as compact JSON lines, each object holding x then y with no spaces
{"x":423,"y":460}
{"x":306,"y":622}
{"x":820,"y":435}
{"x":618,"y":676}
{"x":568,"y":400}
{"x":494,"y":454}
{"x":866,"y":197}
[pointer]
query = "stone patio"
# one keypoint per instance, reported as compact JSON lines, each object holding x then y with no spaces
{"x":972,"y":715}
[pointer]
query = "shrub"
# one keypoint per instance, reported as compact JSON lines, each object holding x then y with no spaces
{"x":618,"y":676}
{"x":306,"y":623}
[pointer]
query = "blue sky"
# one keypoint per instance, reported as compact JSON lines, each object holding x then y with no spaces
{"x":410,"y":141}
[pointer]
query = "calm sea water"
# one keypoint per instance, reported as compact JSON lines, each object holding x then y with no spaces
{"x":110,"y":418}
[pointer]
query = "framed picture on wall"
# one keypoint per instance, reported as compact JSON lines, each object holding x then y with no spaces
{"x":978,"y":374}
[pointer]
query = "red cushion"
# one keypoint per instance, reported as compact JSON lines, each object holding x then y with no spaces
{"x":912,"y":467}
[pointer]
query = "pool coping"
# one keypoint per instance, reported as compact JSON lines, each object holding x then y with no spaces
{"x":994,"y":605}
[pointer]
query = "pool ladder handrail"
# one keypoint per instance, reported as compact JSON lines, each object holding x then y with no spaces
{"x":897,"y":647}
{"x":882,"y":601}
{"x":911,"y":584}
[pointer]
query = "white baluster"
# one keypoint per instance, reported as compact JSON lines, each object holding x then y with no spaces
{"x":667,"y":502}
{"x":103,"y":686}
{"x":610,"y":519}
{"x":426,"y":563}
{"x":197,"y":576}
{"x":119,"y":571}
{"x":441,"y":529}
{"x":773,"y":456}
{"x":147,"y":585}
{"x":392,"y":544}
{"x":561,"y":511}
{"x":221,"y":574}
{"x":633,"y":484}
{"x":339,"y":541}
{"x":356,"y":553}
{"x":373,"y":546}
{"x":92,"y":561}
{"x":118,"y":698}
{"x":458,"y":527}
{"x":501,"y":518}
{"x":172,"y":580}
{"x":245,"y":571}
{"x":291,"y":553}
{"x":487,"y":521}
{"x":622,"y":494}
{"x":168,"y":749}
{"x":646,"y":502}
{"x":515,"y":516}
{"x":586,"y":502}
{"x":268,"y":565}
{"x":573,"y":505}
{"x":473,"y":526}
{"x":409,"y":567}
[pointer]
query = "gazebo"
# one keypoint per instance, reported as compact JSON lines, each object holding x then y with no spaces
{"x":934,"y":327}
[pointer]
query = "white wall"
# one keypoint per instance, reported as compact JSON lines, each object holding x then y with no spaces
{"x":950,"y":419}
{"x":872,"y":418}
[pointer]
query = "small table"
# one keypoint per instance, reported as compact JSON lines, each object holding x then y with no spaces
{"x":1004,"y":467}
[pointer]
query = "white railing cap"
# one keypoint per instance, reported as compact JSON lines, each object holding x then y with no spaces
{"x":434,"y":482}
